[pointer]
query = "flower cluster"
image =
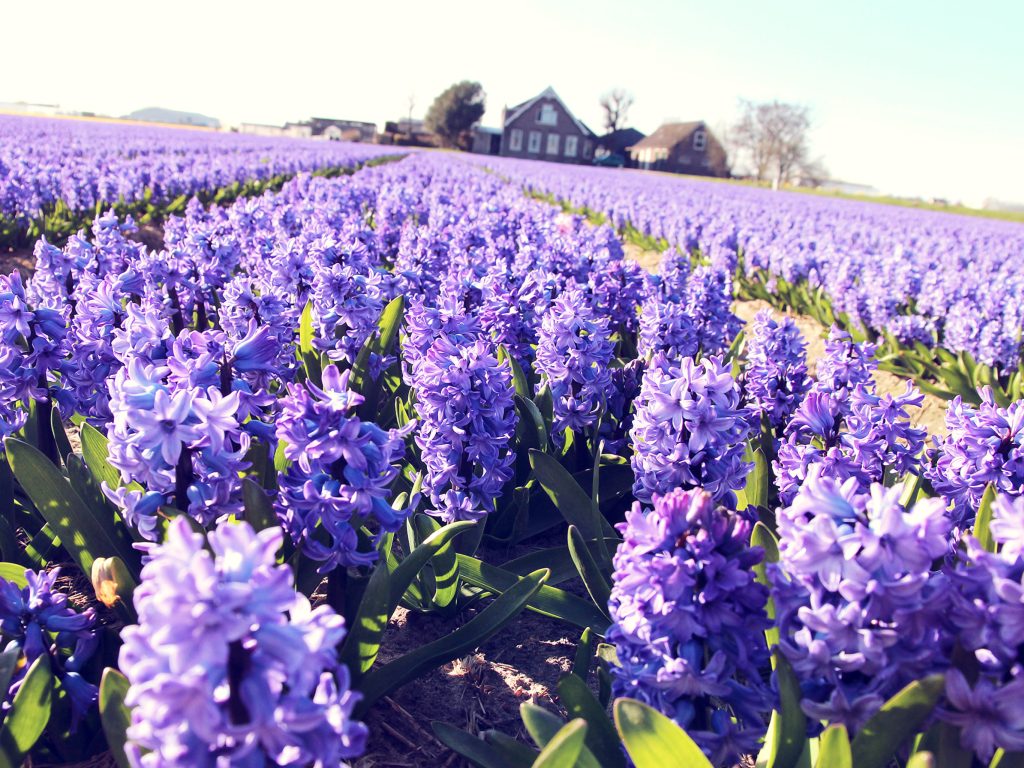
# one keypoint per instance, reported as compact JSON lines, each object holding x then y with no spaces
{"x":467,"y":419}
{"x":984,"y":445}
{"x":340,"y":473}
{"x":987,"y":610}
{"x":39,"y":622}
{"x":228,"y":665}
{"x":572,"y":359}
{"x":860,"y":614}
{"x":776,"y":372}
{"x":689,"y":429}
{"x":688,"y":621}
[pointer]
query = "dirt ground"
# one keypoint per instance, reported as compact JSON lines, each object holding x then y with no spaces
{"x":521,"y":663}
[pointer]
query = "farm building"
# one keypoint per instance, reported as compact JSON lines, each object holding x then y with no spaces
{"x":543,"y":128}
{"x":323,"y":128}
{"x":681,"y":148}
{"x":617,"y":143}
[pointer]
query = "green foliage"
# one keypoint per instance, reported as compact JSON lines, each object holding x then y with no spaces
{"x":896,"y":722}
{"x":654,"y":741}
{"x":455,"y":111}
{"x":114,"y":714}
{"x":29,"y":714}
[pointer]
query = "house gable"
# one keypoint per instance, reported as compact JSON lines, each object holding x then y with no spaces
{"x":544,"y":128}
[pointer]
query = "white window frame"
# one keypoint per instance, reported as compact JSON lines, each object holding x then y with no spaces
{"x":547,"y":115}
{"x":700,"y":141}
{"x":554,"y":143}
{"x":587,"y":147}
{"x":571,"y":145}
{"x":515,"y":140}
{"x":533,"y":144}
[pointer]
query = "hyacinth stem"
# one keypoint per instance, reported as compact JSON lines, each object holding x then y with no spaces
{"x":47,"y":442}
{"x":238,"y":667}
{"x":225,"y":377}
{"x":183,"y":477}
{"x":177,"y":320}
{"x":201,"y":321}
{"x":337,"y":589}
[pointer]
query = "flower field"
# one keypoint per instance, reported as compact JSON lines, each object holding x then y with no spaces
{"x":57,"y":175}
{"x":233,"y":463}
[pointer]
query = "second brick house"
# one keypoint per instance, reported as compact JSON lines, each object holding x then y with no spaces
{"x":543,"y":128}
{"x":681,"y":148}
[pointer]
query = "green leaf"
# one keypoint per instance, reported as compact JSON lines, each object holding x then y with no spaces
{"x":476,"y":631}
{"x":571,"y":500}
{"x":548,"y":601}
{"x":478,"y":752}
{"x":259,"y":509}
{"x":518,"y":377}
{"x":30,"y":710}
{"x":9,"y":663}
{"x":43,"y":548}
{"x":601,"y":738}
{"x":59,"y":435}
{"x":513,"y":750}
{"x":362,"y":643}
{"x":83,"y":483}
{"x":543,"y":726}
{"x":984,"y":519}
{"x":758,"y":481}
{"x":584,"y":655}
{"x":558,"y":559}
{"x":444,"y":563}
{"x":791,"y":735}
{"x":564,"y":748}
{"x":530,"y":416}
{"x":764,"y":538}
{"x":380,"y":344}
{"x":85,"y":534}
{"x":9,"y":549}
{"x":654,"y":741}
{"x":309,"y":357}
{"x":595,"y":582}
{"x":896,"y":722}
{"x":94,"y":451}
{"x":406,"y":571}
{"x":834,"y":751}
{"x":114,"y":714}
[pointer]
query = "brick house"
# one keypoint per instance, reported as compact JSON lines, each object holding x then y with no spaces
{"x":681,"y":148}
{"x":543,"y":128}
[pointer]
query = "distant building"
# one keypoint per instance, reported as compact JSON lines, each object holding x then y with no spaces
{"x":486,"y":141}
{"x":617,"y":143}
{"x":260,"y":129}
{"x":27,"y":108}
{"x":681,"y":148}
{"x":322,"y":128}
{"x":543,"y":128}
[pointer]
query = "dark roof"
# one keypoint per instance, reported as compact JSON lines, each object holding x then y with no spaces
{"x":617,"y":141}
{"x":668,"y":136}
{"x":547,"y":93}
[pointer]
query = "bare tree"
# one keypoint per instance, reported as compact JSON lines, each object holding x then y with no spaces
{"x":774,"y":137}
{"x":616,"y":104}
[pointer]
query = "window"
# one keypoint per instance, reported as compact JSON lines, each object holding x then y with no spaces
{"x":588,"y":146}
{"x":570,"y":145}
{"x":553,"y":140}
{"x":515,"y":140}
{"x":700,"y":140}
{"x":534,"y":145}
{"x":547,"y":115}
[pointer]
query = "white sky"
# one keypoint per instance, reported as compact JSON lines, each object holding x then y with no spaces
{"x":914,"y":97}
